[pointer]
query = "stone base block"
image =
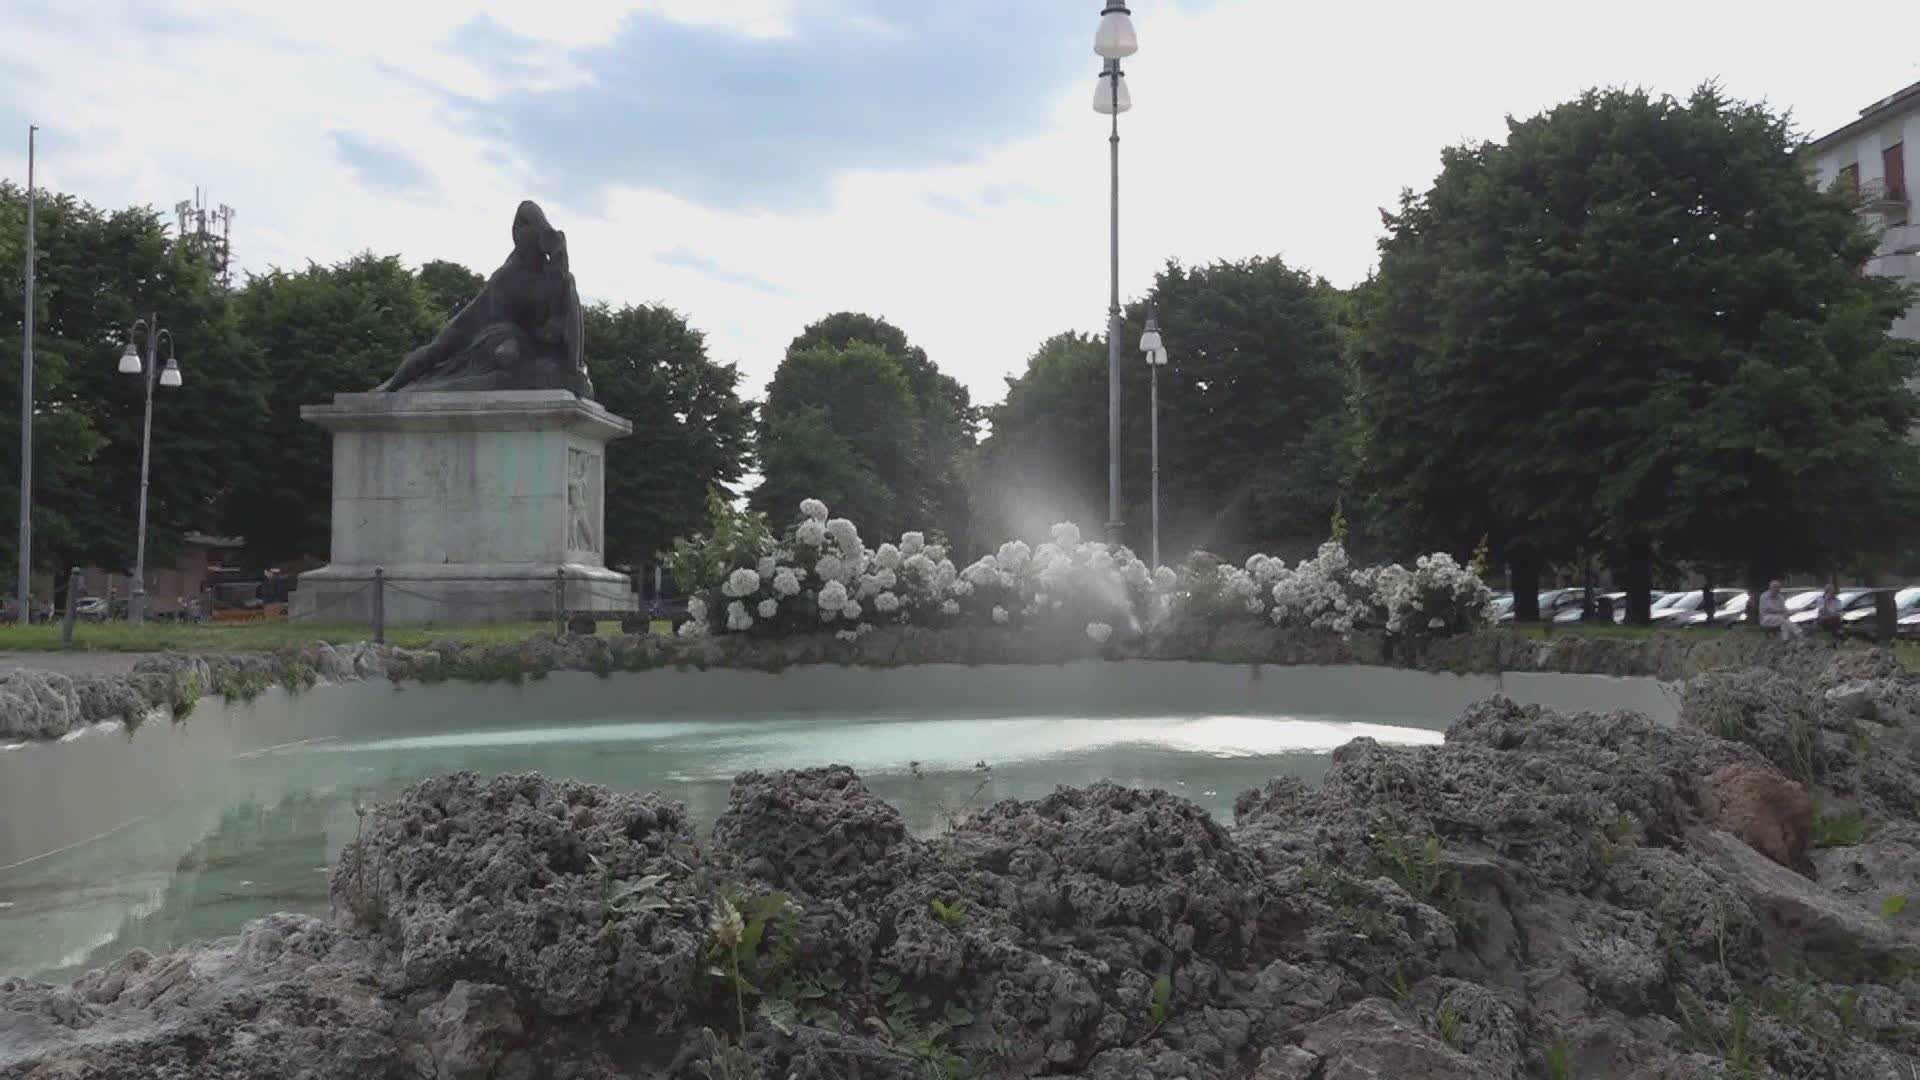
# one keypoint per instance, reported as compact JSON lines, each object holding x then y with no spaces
{"x":456,"y":595}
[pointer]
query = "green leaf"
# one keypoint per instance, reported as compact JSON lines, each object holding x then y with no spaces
{"x":1893,"y":905}
{"x":1160,"y":999}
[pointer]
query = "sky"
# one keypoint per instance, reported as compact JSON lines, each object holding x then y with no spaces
{"x":757,"y":164}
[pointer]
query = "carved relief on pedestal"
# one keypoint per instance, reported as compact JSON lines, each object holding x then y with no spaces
{"x":583,"y":474}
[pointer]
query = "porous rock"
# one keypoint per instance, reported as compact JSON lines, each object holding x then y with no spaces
{"x":1767,"y":810}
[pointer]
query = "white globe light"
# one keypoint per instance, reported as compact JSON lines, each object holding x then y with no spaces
{"x":1115,"y":39}
{"x":170,"y":375}
{"x":1150,"y":341}
{"x":1111,"y":96}
{"x":129,"y":361}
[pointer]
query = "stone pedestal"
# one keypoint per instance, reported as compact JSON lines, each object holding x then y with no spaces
{"x":483,"y":506}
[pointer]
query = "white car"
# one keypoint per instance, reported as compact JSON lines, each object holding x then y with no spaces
{"x":1805,"y":608}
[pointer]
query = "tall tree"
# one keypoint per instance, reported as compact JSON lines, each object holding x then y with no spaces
{"x":99,"y":272}
{"x":1252,"y":418}
{"x":1045,"y":457}
{"x":448,"y":287}
{"x":690,"y":429}
{"x":861,"y":395}
{"x":948,"y":423}
{"x":1636,"y":323}
{"x":318,"y":332}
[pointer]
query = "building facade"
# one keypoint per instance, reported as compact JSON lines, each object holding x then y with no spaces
{"x":1878,"y":158}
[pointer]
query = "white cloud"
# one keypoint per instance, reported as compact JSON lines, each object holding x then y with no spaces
{"x":1261,"y":128}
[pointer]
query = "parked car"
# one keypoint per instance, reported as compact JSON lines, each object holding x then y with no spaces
{"x":1555,"y":601}
{"x":93,"y":607}
{"x":1805,"y":608}
{"x":1673,"y":609}
{"x":1500,"y":608}
{"x":1905,"y":602}
{"x":1573,"y":614}
{"x":1732,"y":611}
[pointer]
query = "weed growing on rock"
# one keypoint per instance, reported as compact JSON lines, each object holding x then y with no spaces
{"x":1447,"y":1022}
{"x":1420,"y":868}
{"x":803,"y":1000}
{"x":952,"y":916}
{"x":1159,"y":1007}
{"x":189,"y":697}
{"x":1557,"y":1064}
{"x":726,"y":1059}
{"x":298,"y":677}
{"x":923,"y":1041}
{"x":957,"y":814}
{"x":753,"y":944}
{"x":1840,"y":830}
{"x":1893,"y":905}
{"x":618,"y":897}
{"x":1615,"y":835}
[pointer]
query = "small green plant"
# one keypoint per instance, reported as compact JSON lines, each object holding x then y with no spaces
{"x":1558,"y":1066}
{"x":1159,"y":1007}
{"x":1893,"y":905}
{"x":1448,"y":1023}
{"x":726,"y":1059}
{"x":1840,"y":830}
{"x":189,"y":697}
{"x":754,"y":938}
{"x":952,"y":916}
{"x":923,"y":1041}
{"x":1420,"y":868}
{"x":1617,"y":834}
{"x":619,"y":897}
{"x":1800,"y":747}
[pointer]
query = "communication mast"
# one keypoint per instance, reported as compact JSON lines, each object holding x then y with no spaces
{"x":209,"y":231}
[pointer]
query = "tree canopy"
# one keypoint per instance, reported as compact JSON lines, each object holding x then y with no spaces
{"x":690,"y":428}
{"x":855,"y":405}
{"x":1252,"y":418}
{"x":1633,"y":323}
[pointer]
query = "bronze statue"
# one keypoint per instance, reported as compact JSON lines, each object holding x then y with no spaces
{"x":523,"y":332}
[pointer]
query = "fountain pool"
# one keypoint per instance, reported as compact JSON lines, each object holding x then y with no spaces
{"x":111,"y":840}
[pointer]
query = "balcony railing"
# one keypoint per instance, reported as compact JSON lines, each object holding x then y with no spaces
{"x":1878,"y":196}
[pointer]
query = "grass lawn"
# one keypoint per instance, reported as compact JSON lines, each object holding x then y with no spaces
{"x":265,"y":634}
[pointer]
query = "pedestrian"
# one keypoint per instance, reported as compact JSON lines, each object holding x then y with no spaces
{"x":1828,"y":617}
{"x":1773,"y":611}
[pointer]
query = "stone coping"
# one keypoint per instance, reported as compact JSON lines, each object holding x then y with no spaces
{"x":457,"y":410}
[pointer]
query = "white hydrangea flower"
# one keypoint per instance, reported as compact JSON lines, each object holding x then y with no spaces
{"x":851,"y":611}
{"x":887,"y":557}
{"x":911,"y":543}
{"x":769,"y":608}
{"x":1013,"y":556}
{"x":766,"y":567}
{"x":844,"y":534}
{"x":810,"y":532}
{"x":786,"y":582}
{"x":1099,"y":632}
{"x":848,"y":636}
{"x":1000,"y":615}
{"x":1165,"y":578}
{"x":1066,"y":534}
{"x":963,"y":588}
{"x":693,"y":628}
{"x":697,"y":609}
{"x":919,"y":565}
{"x":887,"y":579}
{"x":833,"y":597}
{"x":886,"y":603}
{"x":950,"y":607}
{"x":936,"y":552}
{"x":737,"y":617}
{"x":813,"y":509}
{"x":832,"y":568}
{"x":741,"y":583}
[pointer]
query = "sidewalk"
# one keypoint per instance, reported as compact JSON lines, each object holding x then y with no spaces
{"x":74,"y":663}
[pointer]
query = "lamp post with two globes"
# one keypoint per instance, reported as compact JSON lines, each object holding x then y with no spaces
{"x":150,"y":373}
{"x":1114,"y":42}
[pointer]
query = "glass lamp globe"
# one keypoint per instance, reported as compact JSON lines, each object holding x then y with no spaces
{"x":129,"y":361}
{"x":170,"y":375}
{"x":1111,"y":96}
{"x":1115,"y":39}
{"x":1150,"y":341}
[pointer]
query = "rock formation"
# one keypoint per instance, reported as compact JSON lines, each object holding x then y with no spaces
{"x":1542,"y":896}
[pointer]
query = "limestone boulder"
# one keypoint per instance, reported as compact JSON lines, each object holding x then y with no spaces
{"x":1770,"y":812}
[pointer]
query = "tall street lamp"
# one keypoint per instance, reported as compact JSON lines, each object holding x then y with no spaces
{"x":1114,"y":41}
{"x":1156,"y":352}
{"x":150,"y":373}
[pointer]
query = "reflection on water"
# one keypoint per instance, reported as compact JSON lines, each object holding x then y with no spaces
{"x":256,"y":833}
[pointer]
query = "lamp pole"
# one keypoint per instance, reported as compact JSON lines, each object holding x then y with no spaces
{"x":1114,"y":41}
{"x":1156,"y":352}
{"x":150,"y":374}
{"x":25,"y":584}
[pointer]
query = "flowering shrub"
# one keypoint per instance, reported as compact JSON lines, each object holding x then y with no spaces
{"x":820,"y":574}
